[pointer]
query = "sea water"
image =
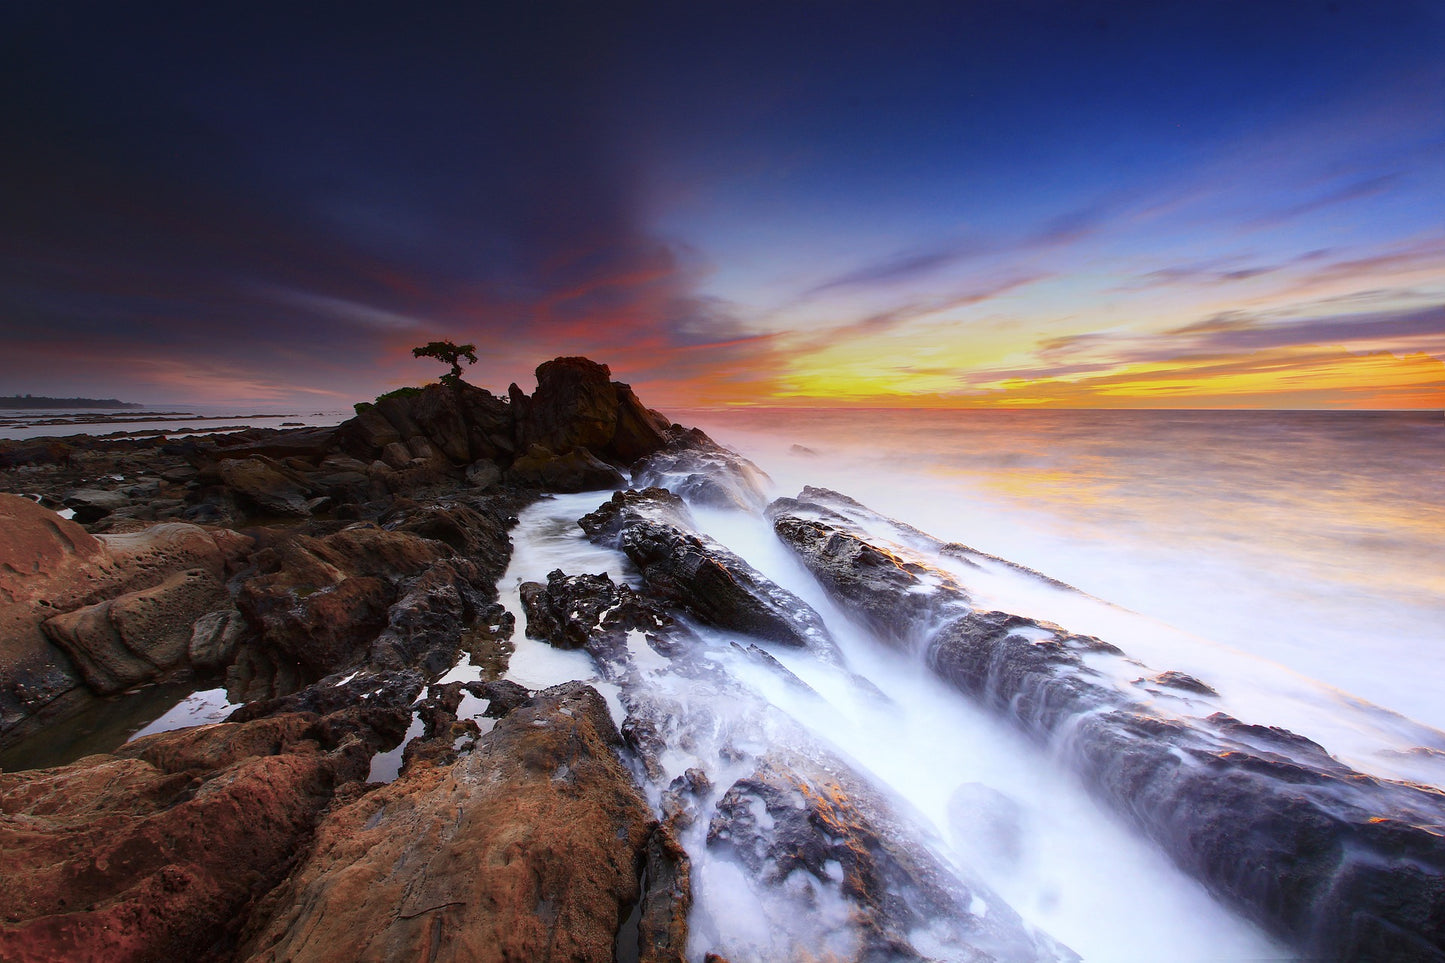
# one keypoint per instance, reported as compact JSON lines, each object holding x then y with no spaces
{"x":1314,"y":540}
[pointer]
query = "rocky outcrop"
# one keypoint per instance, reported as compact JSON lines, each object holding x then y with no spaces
{"x":121,"y":605}
{"x":577,"y":405}
{"x":1342,"y":865}
{"x":138,"y":636}
{"x":527,"y":847}
{"x":688,"y":570}
{"x":152,"y":853}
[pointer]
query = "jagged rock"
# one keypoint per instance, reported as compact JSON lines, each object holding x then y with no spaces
{"x":576,"y":470}
{"x":1342,"y":865}
{"x":322,"y":601}
{"x":154,"y":852}
{"x":695,"y":573}
{"x":587,"y":611}
{"x":138,"y":636}
{"x":805,"y":825}
{"x":527,"y":847}
{"x":576,"y":404}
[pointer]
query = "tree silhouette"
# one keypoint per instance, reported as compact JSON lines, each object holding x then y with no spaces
{"x":448,"y":352}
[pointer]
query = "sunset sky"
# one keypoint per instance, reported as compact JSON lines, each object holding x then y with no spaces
{"x":1200,"y":204}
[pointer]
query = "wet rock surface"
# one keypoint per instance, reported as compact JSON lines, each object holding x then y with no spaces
{"x":654,"y":529}
{"x":1343,"y":865}
{"x":800,"y":823}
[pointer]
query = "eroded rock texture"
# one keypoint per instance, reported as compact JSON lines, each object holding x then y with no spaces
{"x":527,"y":848}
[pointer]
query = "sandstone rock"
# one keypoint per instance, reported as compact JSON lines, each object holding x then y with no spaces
{"x":526,"y":848}
{"x":50,"y":566}
{"x":153,"y":855}
{"x":138,"y":636}
{"x":576,"y":470}
{"x":263,"y":487}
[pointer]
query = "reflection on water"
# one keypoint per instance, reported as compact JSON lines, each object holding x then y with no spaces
{"x":109,"y":723}
{"x":1313,"y":538}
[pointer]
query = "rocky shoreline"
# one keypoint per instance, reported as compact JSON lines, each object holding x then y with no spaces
{"x":330,"y":579}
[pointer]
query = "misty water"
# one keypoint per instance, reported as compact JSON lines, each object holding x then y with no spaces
{"x":1290,"y":560}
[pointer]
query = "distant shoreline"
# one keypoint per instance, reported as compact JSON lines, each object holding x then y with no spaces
{"x":36,"y":401}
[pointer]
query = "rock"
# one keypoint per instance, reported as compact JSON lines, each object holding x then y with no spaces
{"x":91,"y":505}
{"x":263,"y":487}
{"x":483,"y":474}
{"x":50,"y":566}
{"x":695,"y":573}
{"x":576,"y":405}
{"x":322,"y":601}
{"x":802,"y":826}
{"x":587,"y":611}
{"x":154,"y":854}
{"x":526,"y":848}
{"x":214,"y":638}
{"x":577,"y":470}
{"x":396,"y":455}
{"x":138,"y":636}
{"x":1341,"y":865}
{"x":704,"y":474}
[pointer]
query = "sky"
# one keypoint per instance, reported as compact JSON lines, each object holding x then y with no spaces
{"x":975,"y":203}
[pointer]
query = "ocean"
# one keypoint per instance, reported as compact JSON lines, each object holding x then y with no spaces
{"x":1312,"y":539}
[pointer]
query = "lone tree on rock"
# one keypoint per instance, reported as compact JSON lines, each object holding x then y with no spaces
{"x":448,"y":352}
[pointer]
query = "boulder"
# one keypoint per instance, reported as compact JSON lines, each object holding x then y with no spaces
{"x":527,"y":847}
{"x":138,"y":636}
{"x":704,"y":474}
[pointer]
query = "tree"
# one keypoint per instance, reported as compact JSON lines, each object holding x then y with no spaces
{"x":448,"y":352}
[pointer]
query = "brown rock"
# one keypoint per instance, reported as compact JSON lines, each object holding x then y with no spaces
{"x":527,"y":848}
{"x":50,"y":566}
{"x":577,"y":470}
{"x":151,"y":855}
{"x":263,"y":487}
{"x":321,"y":601}
{"x":137,"y":636}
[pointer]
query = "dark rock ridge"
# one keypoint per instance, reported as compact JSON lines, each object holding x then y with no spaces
{"x":1343,"y":865}
{"x":655,"y":530}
